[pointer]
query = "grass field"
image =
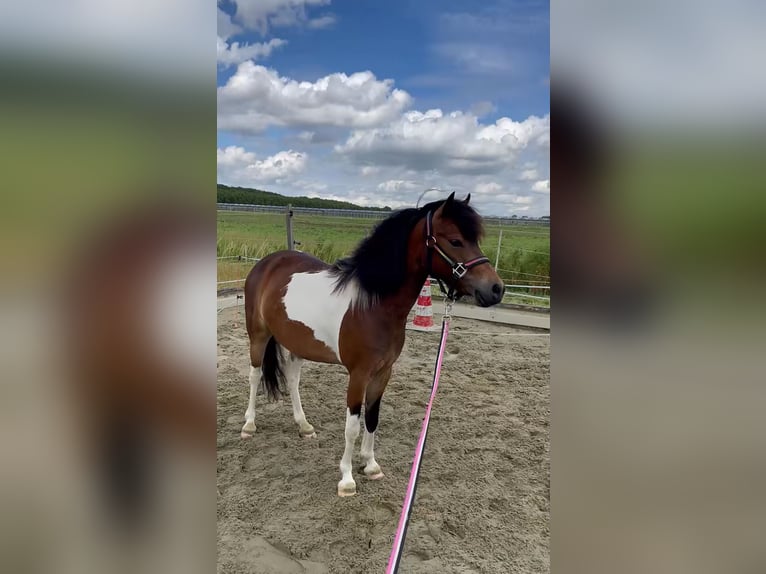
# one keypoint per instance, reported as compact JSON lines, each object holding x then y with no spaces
{"x":524,"y":252}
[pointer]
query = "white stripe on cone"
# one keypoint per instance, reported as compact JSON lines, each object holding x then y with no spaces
{"x":424,"y":314}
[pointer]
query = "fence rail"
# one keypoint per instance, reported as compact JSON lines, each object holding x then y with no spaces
{"x":433,"y":282}
{"x":510,"y":289}
{"x":362,"y":213}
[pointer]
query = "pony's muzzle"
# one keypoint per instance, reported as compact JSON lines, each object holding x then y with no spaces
{"x":486,"y":296}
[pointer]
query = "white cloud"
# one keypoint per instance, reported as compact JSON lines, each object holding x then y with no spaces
{"x":519,"y":134}
{"x":239,"y":166}
{"x":322,"y":22}
{"x":488,"y":188}
{"x":227,"y":28}
{"x":483,"y":108}
{"x":494,"y":193}
{"x":234,"y":156}
{"x":306,"y":136}
{"x":455,"y":143}
{"x":256,"y":97}
{"x":397,"y":185}
{"x":313,"y":187}
{"x":476,"y":56}
{"x":361,"y":198}
{"x":262,"y":15}
{"x":529,"y":175}
{"x":369,"y":170}
{"x":230,"y":54}
{"x":542,"y":186}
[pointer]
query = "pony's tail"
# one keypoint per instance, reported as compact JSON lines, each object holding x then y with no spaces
{"x":271,"y":369}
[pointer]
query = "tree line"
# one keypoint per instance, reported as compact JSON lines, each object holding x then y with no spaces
{"x":244,"y":195}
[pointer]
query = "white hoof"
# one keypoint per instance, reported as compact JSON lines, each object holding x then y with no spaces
{"x":248,"y":430}
{"x":373,"y":472}
{"x":307,"y":432}
{"x":346,"y":488}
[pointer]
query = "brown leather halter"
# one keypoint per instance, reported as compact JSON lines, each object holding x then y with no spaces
{"x":459,"y":268}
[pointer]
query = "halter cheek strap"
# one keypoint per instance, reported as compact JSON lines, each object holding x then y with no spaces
{"x":459,"y":268}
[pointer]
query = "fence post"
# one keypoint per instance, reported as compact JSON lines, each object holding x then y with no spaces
{"x":499,"y":241}
{"x":289,"y":221}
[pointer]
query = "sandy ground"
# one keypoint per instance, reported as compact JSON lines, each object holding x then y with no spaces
{"x":482,"y":502}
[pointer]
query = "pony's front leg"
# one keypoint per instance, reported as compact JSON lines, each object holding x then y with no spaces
{"x":371,"y":467}
{"x":354,"y":394}
{"x":347,"y":486}
{"x":371,"y":413}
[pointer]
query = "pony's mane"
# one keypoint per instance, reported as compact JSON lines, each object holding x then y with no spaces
{"x":378,"y":266}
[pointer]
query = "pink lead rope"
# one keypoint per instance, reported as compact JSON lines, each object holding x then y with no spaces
{"x":404,"y":518}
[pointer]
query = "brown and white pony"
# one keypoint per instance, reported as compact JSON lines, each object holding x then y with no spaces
{"x":354,"y":312}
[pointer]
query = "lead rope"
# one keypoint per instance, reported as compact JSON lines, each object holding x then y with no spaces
{"x":409,"y":497}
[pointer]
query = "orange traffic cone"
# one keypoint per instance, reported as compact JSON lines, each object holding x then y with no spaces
{"x":424,"y":314}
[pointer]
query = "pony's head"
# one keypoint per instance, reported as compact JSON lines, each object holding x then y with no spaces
{"x":455,"y":230}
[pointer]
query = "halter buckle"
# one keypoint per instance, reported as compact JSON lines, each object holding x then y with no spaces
{"x":459,"y":270}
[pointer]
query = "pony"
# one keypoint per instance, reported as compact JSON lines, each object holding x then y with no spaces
{"x":354,"y":312}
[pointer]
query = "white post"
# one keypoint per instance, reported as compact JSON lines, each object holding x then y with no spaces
{"x":499,"y":241}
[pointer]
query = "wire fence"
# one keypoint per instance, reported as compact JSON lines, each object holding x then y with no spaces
{"x":368,"y":213}
{"x":507,"y":287}
{"x":534,"y":287}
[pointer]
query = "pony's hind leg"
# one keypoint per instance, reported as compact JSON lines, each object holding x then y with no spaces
{"x":249,"y":428}
{"x":256,"y":356}
{"x":292,"y":370}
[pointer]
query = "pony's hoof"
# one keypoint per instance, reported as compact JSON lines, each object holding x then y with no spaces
{"x":374,"y":475}
{"x":247,"y":430}
{"x":307,"y":432}
{"x":347,"y":489}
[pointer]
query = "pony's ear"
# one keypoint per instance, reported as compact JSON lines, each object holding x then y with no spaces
{"x":446,"y":208}
{"x":467,"y":198}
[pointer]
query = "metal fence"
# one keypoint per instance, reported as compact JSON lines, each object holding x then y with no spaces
{"x":537,"y":288}
{"x":363,"y":213}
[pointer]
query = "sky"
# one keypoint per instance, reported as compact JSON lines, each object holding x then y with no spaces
{"x":375,"y":102}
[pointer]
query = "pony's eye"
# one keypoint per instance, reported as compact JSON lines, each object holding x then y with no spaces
{"x":456,"y":243}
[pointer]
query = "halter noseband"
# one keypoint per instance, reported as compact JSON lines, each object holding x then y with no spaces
{"x":459,"y":269}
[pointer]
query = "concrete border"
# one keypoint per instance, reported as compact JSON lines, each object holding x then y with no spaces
{"x":498,"y":314}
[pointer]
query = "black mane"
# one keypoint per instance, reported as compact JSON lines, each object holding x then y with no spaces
{"x":379,"y":263}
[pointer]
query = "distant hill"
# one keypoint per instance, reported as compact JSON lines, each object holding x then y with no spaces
{"x":244,"y":195}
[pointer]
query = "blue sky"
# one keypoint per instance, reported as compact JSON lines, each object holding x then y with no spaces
{"x":374,"y":102}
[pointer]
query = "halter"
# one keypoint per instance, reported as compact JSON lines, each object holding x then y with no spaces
{"x":459,"y":269}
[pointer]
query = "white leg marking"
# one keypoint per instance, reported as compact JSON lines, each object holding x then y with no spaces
{"x":371,"y":468}
{"x":292,"y":369}
{"x":249,"y":428}
{"x":347,"y":486}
